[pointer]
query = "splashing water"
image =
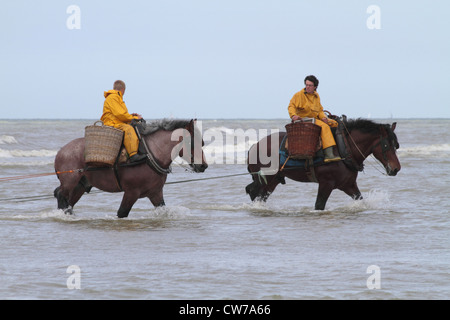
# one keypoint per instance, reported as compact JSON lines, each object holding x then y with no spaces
{"x":374,"y":199}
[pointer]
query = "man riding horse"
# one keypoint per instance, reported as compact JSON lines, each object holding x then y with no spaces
{"x":115,"y":114}
{"x":306,"y":104}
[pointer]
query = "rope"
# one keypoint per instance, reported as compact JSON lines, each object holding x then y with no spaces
{"x":210,"y":178}
{"x":28,"y":176}
{"x":46,"y":196}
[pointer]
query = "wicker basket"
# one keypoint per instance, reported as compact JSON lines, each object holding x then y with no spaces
{"x":303,"y":139}
{"x":102,"y":144}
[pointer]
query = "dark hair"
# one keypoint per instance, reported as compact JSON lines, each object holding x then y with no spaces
{"x":313,"y":79}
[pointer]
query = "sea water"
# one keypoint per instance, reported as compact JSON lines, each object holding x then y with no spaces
{"x":211,"y":241}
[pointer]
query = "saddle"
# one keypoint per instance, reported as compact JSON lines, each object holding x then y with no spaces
{"x":141,"y":128}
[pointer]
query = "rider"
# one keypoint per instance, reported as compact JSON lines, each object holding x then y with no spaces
{"x":306,"y":103}
{"x":115,"y":114}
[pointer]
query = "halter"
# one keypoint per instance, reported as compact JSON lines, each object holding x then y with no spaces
{"x":384,"y":143}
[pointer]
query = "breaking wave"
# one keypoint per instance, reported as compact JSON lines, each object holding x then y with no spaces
{"x":26,"y":153}
{"x":4,"y":139}
{"x":432,"y":149}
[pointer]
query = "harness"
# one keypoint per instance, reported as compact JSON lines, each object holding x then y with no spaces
{"x":151,"y":161}
{"x":342,"y":136}
{"x":343,"y":141}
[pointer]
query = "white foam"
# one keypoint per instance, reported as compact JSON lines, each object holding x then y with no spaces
{"x":80,"y":215}
{"x":4,"y":139}
{"x":374,"y":199}
{"x":437,"y":149}
{"x":26,"y":153}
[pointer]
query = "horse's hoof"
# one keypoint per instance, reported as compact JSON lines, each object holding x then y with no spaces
{"x":68,"y":210}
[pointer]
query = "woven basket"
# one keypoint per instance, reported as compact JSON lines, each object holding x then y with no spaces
{"x":102,"y":144}
{"x":303,"y":139}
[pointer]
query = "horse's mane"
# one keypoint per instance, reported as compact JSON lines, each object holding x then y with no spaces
{"x":364,"y":125}
{"x":371,"y":127}
{"x":164,"y":124}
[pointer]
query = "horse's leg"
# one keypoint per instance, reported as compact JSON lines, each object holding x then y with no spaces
{"x":77,"y":192}
{"x":353,"y":191}
{"x":322,"y":195}
{"x":157,"y":199}
{"x":262,"y":186}
{"x":128,"y":200}
{"x":69,"y":192}
{"x":63,"y":204}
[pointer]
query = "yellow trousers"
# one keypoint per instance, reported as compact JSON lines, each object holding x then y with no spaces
{"x":325,"y":134}
{"x":130,"y":138}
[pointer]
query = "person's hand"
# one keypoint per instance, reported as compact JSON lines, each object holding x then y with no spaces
{"x":136,"y":115}
{"x":295,"y":118}
{"x":325,"y":120}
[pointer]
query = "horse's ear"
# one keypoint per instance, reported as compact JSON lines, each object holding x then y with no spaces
{"x":191,"y":125}
{"x":393,"y":126}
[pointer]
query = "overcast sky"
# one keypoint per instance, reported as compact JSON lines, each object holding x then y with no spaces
{"x":214,"y":59}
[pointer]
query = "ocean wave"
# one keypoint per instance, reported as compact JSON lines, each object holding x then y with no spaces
{"x":431,"y":149}
{"x":225,"y":145}
{"x":220,"y":129}
{"x":17,"y":163}
{"x":26,"y":153}
{"x":4,"y":139}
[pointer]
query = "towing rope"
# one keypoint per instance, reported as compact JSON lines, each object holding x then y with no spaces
{"x":38,"y":175}
{"x":46,"y":196}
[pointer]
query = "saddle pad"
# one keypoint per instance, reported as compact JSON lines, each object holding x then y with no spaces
{"x":297,"y":162}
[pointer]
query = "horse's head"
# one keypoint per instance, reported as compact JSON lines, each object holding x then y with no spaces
{"x":385,"y":149}
{"x":190,"y":147}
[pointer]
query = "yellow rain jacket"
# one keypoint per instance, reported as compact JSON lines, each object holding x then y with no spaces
{"x":114,"y":109}
{"x":115,"y":114}
{"x":307,"y":105}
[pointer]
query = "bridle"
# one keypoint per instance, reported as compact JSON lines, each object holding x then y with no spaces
{"x":191,"y":145}
{"x":384,"y":142}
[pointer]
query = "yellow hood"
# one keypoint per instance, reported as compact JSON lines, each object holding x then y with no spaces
{"x":107,"y":93}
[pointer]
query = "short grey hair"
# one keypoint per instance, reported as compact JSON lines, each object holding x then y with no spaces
{"x":119,"y":85}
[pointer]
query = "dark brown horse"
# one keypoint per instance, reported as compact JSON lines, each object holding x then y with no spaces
{"x":167,"y":140}
{"x":365,"y":138}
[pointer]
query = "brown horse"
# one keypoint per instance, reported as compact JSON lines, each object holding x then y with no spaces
{"x":165,"y":140}
{"x":365,"y":138}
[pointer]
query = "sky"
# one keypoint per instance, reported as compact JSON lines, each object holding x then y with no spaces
{"x":224,"y":59}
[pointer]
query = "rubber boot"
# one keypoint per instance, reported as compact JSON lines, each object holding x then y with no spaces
{"x":329,"y":155}
{"x":137,"y":157}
